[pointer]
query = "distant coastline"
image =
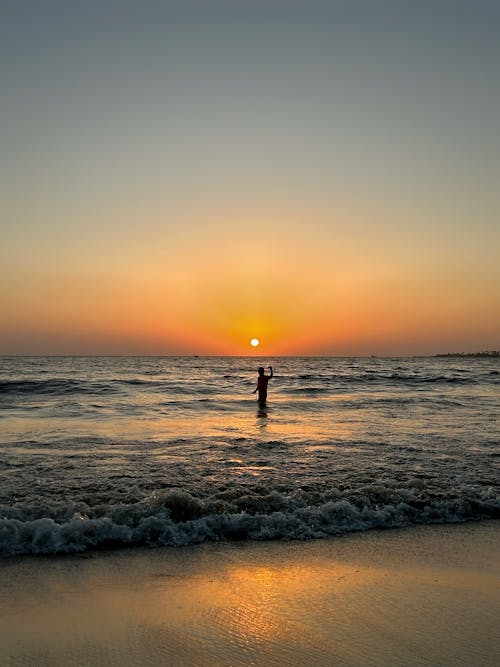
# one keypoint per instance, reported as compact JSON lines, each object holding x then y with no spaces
{"x":484,"y":353}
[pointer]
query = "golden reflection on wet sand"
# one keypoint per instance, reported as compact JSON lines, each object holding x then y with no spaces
{"x":421,"y":596}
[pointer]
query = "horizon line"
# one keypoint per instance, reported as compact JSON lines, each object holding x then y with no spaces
{"x":257,"y":356}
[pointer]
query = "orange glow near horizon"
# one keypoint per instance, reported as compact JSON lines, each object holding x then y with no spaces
{"x":213,"y":298}
{"x":212,"y":295}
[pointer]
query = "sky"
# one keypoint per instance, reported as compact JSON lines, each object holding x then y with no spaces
{"x":181,"y":177}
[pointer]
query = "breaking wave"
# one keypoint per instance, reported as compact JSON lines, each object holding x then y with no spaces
{"x":177,"y":518}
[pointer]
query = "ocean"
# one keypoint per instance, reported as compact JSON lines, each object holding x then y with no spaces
{"x":104,"y":452}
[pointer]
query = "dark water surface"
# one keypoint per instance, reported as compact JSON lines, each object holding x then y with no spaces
{"x":103,"y":451}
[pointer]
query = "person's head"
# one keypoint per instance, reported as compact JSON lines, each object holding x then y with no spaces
{"x":261,"y":370}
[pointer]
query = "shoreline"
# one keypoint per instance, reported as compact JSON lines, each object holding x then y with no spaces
{"x":422,"y":595}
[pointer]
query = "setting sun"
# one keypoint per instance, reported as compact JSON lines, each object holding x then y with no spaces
{"x":254,"y":342}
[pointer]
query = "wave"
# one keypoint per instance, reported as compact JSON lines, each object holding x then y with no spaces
{"x":64,"y":386}
{"x":177,"y":518}
{"x":412,"y":379}
{"x":307,"y":390}
{"x":68,"y":386}
{"x":370,"y":378}
{"x":55,"y":386}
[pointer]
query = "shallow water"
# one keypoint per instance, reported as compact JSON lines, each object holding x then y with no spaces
{"x":161,"y":450}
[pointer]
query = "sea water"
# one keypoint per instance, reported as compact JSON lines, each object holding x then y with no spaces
{"x":108,"y":451}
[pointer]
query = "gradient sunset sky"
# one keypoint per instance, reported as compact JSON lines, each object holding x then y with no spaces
{"x":180,"y":177}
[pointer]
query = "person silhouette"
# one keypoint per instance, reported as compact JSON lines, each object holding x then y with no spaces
{"x":262,"y":382}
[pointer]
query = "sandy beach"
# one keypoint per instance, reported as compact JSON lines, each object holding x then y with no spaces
{"x":418,"y":596}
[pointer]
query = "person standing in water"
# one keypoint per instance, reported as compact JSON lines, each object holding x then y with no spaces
{"x":262,"y":381}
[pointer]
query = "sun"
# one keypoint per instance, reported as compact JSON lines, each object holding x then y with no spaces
{"x":254,"y":342}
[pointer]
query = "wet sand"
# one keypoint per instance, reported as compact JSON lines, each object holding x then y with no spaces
{"x":419,"y":596}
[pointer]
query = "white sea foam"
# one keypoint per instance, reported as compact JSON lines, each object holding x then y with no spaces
{"x":177,"y":519}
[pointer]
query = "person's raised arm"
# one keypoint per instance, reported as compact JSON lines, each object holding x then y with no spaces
{"x":271,"y":369}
